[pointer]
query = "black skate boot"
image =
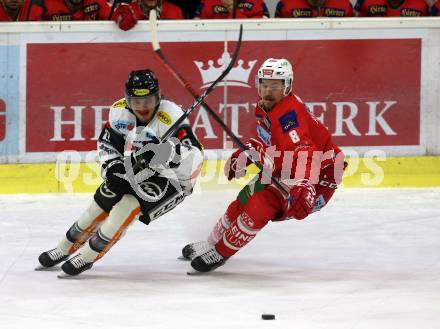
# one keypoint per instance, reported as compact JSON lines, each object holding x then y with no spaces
{"x":192,"y":250}
{"x":51,"y":258}
{"x":208,"y":261}
{"x":75,"y":266}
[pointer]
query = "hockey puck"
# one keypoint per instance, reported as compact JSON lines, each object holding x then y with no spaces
{"x":268,"y":316}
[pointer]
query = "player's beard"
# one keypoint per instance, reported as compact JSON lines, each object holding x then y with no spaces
{"x":268,"y":102}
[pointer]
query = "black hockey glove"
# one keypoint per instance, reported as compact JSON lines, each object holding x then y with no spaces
{"x":114,"y":178}
{"x":157,"y":154}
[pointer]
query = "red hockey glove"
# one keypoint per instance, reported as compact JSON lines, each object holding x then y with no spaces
{"x":235,"y":166}
{"x":300,"y":202}
{"x":125,"y":17}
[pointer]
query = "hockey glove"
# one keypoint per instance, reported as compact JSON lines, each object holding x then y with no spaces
{"x":235,"y":166}
{"x":300,"y":202}
{"x":125,"y":17}
{"x":156,"y":155}
{"x":114,"y":180}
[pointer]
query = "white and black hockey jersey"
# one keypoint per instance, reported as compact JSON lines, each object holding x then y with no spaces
{"x":116,"y":138}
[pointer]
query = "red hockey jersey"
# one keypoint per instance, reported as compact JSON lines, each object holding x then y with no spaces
{"x":410,"y":8}
{"x":372,"y":8}
{"x":214,"y":9}
{"x":35,"y":12}
{"x":292,"y":137}
{"x":168,"y":11}
{"x":375,"y":8}
{"x":90,"y":10}
{"x":302,"y":9}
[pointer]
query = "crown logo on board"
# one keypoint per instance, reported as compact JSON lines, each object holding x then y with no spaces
{"x":238,"y":76}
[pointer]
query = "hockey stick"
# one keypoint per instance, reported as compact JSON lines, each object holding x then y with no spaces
{"x":200,"y":99}
{"x":31,"y":3}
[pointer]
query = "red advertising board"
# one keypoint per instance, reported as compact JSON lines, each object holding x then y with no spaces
{"x":367,"y":92}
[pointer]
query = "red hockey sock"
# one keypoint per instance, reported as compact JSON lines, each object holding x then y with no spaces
{"x":225,"y":222}
{"x":260,"y":208}
{"x":237,"y":236}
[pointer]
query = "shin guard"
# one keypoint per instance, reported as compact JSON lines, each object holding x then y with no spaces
{"x":119,"y":219}
{"x":83,"y":228}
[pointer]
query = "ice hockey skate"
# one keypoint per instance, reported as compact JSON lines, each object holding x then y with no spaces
{"x":50,"y":258}
{"x":74,"y":266}
{"x":207,"y":261}
{"x":192,"y":250}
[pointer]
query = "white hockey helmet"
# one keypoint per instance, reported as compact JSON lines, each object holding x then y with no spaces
{"x":276,"y":69}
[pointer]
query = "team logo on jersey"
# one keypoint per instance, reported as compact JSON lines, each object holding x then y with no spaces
{"x":247,"y":5}
{"x":409,"y":12}
{"x":141,"y":92}
{"x":164,"y":118}
{"x":219,"y":9}
{"x":264,"y":135}
{"x":288,"y":121}
{"x":90,"y":9}
{"x":301,"y":12}
{"x":377,"y":10}
{"x":61,"y":17}
{"x":334,"y":12}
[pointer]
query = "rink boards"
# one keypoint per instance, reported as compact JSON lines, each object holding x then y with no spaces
{"x":85,"y":177}
{"x":60,"y":78}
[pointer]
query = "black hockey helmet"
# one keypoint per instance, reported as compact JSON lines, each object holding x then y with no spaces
{"x":141,"y":83}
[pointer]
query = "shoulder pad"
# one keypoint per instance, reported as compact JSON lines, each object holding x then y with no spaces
{"x":120,"y":103}
{"x":120,"y":118}
{"x":168,"y":112}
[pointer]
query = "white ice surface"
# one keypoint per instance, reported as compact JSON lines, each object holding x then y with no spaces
{"x":369,"y":260}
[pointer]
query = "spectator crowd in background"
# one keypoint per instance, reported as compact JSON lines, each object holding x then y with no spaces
{"x":127,"y":13}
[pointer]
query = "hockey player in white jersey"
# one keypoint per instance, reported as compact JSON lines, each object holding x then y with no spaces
{"x":169,"y":169}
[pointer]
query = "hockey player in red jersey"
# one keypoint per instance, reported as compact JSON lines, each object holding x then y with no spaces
{"x":371,"y":8}
{"x":392,"y":8}
{"x":313,"y":8}
{"x":407,"y":8}
{"x":295,"y":149}
{"x":224,"y":9}
{"x":20,"y":10}
{"x":76,"y":10}
{"x":167,"y":174}
{"x":127,"y":15}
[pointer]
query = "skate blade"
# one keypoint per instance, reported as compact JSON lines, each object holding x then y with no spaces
{"x":64,"y":275}
{"x":195,"y":273}
{"x":41,"y":268}
{"x":183,"y":259}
